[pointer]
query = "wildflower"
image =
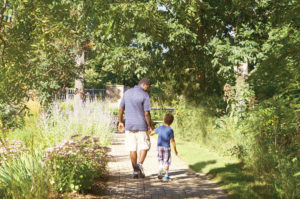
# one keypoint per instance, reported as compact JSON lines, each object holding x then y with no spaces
{"x":85,"y":138}
{"x":3,"y":150}
{"x":65,"y":142}
{"x":95,"y":139}
{"x":49,"y":150}
{"x":74,"y":136}
{"x":88,"y":142}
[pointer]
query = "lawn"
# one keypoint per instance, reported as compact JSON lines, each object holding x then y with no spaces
{"x":228,"y":172}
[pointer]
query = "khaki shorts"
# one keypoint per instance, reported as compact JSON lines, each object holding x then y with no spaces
{"x":137,"y":140}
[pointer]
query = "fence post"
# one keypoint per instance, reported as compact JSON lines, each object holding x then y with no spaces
{"x":93,"y":94}
{"x":67,"y":94}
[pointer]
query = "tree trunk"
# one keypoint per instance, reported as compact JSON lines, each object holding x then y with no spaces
{"x":79,"y":82}
{"x":242,"y":87}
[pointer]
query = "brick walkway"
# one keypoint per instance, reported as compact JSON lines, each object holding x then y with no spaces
{"x":185,"y":183}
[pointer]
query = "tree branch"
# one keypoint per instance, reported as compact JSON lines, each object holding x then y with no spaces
{"x":2,"y":13}
{"x":4,"y":45}
{"x":1,"y":20}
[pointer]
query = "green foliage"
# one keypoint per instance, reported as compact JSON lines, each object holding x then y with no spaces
{"x":264,"y":140}
{"x":273,"y":127}
{"x":27,"y":172}
{"x":11,"y":116}
{"x":69,"y":165}
{"x":74,"y":164}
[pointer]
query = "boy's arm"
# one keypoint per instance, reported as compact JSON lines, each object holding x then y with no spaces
{"x":174,"y":146}
{"x":152,"y":133}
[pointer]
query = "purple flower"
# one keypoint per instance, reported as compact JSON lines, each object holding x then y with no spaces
{"x":49,"y":150}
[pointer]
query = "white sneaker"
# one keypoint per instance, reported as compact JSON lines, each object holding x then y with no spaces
{"x":160,"y":173}
{"x":141,"y":170}
{"x":166,"y":179}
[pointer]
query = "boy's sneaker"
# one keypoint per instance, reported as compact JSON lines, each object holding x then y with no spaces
{"x":135,"y":175}
{"x":140,"y":170}
{"x":166,"y":178}
{"x":160,"y":173}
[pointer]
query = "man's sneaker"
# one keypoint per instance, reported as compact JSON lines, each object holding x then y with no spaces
{"x":166,"y":178}
{"x":135,"y":175}
{"x":141,"y":170}
{"x":160,"y":173}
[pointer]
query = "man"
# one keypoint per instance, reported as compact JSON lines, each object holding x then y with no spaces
{"x":136,"y":102}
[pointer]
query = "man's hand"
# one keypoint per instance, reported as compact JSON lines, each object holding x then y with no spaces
{"x":121,"y":124}
{"x":151,"y":129}
{"x":121,"y":127}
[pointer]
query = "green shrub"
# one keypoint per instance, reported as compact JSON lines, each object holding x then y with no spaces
{"x":263,"y":138}
{"x":75,"y":163}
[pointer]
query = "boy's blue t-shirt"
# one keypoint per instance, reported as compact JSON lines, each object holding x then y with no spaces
{"x":165,"y":134}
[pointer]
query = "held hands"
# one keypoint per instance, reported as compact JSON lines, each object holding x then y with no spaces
{"x":151,"y":132}
{"x":121,"y":127}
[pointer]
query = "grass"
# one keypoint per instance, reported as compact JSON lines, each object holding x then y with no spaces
{"x":229,"y":173}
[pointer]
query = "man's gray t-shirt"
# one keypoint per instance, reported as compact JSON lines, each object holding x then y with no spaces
{"x":135,"y":101}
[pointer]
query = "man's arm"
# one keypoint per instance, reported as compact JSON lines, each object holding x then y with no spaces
{"x":121,"y":124}
{"x":148,"y":119}
{"x":174,"y":146}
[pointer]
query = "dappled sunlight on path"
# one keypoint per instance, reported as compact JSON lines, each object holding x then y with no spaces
{"x":185,"y":183}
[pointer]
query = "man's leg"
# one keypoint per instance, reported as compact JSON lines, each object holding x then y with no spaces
{"x":133,"y":158}
{"x":142,"y":156}
{"x":144,"y":146}
{"x":131,"y":145}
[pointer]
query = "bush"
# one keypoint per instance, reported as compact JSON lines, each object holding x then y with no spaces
{"x":263,"y":138}
{"x":75,"y":163}
{"x":273,"y":127}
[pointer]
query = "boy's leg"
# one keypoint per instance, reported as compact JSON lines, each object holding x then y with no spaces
{"x":166,"y":169}
{"x":160,"y":154}
{"x":167,"y":162}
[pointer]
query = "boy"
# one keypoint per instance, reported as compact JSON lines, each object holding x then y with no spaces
{"x":165,"y":135}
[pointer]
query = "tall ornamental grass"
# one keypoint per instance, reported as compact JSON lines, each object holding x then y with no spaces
{"x":24,"y":177}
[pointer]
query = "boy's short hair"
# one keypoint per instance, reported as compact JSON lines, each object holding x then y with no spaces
{"x":168,"y":119}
